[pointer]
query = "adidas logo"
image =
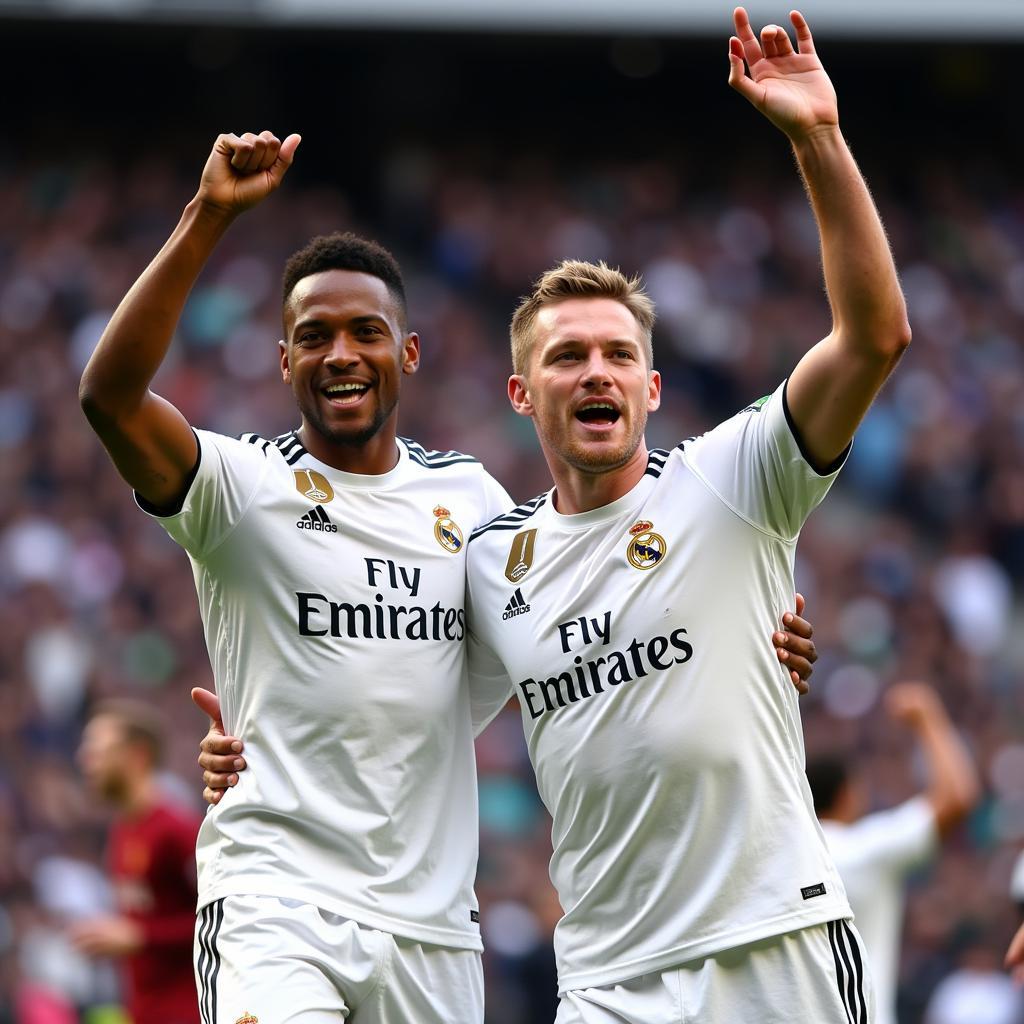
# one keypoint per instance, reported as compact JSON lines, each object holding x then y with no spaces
{"x":316,"y":519}
{"x":516,"y":606}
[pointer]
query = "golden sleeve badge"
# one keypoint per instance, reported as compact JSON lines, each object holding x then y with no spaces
{"x":520,"y":555}
{"x":313,"y":485}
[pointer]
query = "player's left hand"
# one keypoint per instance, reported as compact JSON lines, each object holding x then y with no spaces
{"x":106,"y":936}
{"x":795,"y":648}
{"x":790,"y":87}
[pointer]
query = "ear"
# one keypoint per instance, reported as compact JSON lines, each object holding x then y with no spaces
{"x":654,"y":391}
{"x":286,"y":372}
{"x":411,"y":353}
{"x":519,"y":395}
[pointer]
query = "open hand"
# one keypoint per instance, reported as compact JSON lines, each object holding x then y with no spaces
{"x":788,"y":86}
{"x":795,"y":648}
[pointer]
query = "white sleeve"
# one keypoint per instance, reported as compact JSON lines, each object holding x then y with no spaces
{"x":228,"y":475}
{"x":897,"y":840}
{"x":496,"y":500}
{"x":489,"y":685}
{"x":755,"y":465}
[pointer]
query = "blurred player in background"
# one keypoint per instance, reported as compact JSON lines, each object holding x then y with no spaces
{"x":330,"y":567}
{"x":151,"y":860}
{"x":875,"y":852}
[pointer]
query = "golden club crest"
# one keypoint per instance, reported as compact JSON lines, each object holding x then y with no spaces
{"x":520,"y":555}
{"x":645,"y":549}
{"x":447,"y":531}
{"x":313,"y":485}
{"x":248,"y":1018}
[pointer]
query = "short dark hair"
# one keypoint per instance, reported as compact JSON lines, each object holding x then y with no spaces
{"x":345,"y":251}
{"x":826,"y":776}
{"x":140,"y":724}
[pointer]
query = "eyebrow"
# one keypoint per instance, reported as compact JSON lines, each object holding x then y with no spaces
{"x":316,"y":321}
{"x":609,"y":343}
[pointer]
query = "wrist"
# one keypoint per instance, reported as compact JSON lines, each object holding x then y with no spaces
{"x":204,"y":212}
{"x":818,"y":140}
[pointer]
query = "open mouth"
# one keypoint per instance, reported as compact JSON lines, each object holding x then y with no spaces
{"x":598,"y":414}
{"x":345,"y":394}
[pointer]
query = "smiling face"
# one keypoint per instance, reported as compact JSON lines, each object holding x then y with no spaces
{"x":344,"y":355}
{"x":587,"y":385}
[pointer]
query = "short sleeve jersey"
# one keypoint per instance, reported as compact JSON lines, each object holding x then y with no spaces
{"x":333,"y":607}
{"x":664,"y":733}
{"x":874,"y":856}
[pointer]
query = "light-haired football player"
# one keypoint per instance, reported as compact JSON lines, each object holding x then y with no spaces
{"x":330,"y":568}
{"x":626,"y":605}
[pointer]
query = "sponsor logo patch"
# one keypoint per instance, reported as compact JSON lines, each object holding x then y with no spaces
{"x":516,"y":606}
{"x":520,"y":555}
{"x":646,"y":549}
{"x":316,"y":519}
{"x":810,"y":891}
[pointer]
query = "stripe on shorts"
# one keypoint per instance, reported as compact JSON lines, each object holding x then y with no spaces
{"x":208,"y":963}
{"x":849,"y":971}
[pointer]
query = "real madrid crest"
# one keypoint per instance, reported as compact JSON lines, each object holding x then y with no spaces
{"x":446,"y":530}
{"x":645,"y":549}
{"x":313,"y":485}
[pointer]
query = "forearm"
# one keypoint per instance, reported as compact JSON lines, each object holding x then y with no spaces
{"x":868,"y":309}
{"x":135,"y":342}
{"x":953,"y":784}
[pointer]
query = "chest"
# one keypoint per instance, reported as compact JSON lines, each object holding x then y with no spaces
{"x":313,"y":536}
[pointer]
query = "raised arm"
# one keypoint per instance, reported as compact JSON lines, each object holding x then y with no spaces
{"x":835,"y":382}
{"x":149,"y":440}
{"x":952,"y":786}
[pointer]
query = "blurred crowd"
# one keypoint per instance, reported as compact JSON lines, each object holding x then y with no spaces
{"x":910,"y":568}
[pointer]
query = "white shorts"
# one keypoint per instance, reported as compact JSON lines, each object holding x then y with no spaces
{"x":262,"y":959}
{"x":813,"y":976}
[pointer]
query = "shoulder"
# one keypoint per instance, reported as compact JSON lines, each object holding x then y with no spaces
{"x":286,"y":446}
{"x":519,"y":517}
{"x":429,"y":459}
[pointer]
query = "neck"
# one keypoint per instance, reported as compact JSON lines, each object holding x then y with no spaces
{"x":139,"y":797}
{"x":577,"y":490}
{"x":372,"y":457}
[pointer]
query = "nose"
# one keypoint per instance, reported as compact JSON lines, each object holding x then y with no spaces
{"x":343,"y":351}
{"x":596,"y":372}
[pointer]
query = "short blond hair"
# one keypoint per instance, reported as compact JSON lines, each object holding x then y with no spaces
{"x":577,"y":279}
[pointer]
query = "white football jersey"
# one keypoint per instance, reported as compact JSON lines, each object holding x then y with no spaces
{"x":333,"y":607}
{"x":664,"y":733}
{"x":874,"y":855}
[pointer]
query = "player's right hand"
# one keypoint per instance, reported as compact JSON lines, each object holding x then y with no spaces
{"x":219,"y":755}
{"x":244,"y":169}
{"x":914,"y":704}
